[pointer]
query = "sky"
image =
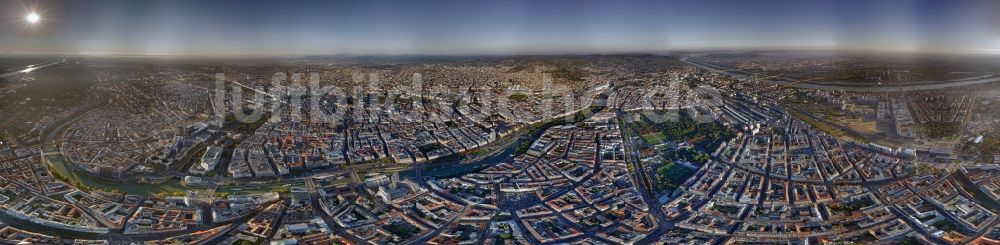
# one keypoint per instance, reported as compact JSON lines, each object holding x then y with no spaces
{"x":468,"y":27}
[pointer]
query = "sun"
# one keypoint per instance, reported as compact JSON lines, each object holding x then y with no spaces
{"x":32,"y":18}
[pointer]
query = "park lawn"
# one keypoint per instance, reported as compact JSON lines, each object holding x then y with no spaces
{"x":653,"y":138}
{"x":518,"y":97}
{"x":704,"y":136}
{"x":669,"y":176}
{"x":939,"y":130}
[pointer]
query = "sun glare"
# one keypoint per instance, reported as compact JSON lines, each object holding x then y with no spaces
{"x":33,"y":18}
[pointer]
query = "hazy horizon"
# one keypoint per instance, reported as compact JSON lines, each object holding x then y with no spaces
{"x":273,"y":28}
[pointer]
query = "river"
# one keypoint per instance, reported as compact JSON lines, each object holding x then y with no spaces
{"x":440,"y":169}
{"x":31,"y":68}
{"x":455,"y":168}
{"x":58,"y":164}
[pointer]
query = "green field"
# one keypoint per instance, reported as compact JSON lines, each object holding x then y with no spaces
{"x":703,"y":136}
{"x":940,"y":130}
{"x":518,"y":97}
{"x":654,"y":138}
{"x":690,"y":154}
{"x":669,"y":176}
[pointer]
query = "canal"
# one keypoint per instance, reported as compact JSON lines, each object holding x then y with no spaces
{"x":457,"y":167}
{"x":444,"y":168}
